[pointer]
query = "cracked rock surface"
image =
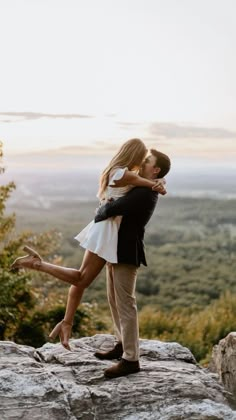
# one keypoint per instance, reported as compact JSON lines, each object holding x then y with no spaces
{"x":53,"y":383}
{"x":224,"y":361}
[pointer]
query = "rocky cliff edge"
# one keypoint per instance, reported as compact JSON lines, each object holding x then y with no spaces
{"x":51,"y":383}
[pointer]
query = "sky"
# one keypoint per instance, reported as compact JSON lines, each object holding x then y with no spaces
{"x":92,"y":74}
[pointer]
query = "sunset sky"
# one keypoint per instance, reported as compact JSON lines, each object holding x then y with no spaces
{"x":93,"y":74}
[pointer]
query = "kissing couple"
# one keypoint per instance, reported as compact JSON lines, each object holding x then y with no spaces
{"x":128,"y":193}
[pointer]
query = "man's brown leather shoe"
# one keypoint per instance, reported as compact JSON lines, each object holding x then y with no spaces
{"x":122,"y":368}
{"x":115,"y":353}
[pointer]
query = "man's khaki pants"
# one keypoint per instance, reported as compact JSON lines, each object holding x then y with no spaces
{"x":121,"y":282}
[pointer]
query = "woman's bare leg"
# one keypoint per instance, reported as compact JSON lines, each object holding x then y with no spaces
{"x":68,"y":275}
{"x":74,"y":297}
{"x":91,"y":266}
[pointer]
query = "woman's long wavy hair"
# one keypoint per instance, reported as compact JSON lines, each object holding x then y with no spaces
{"x":130,"y":155}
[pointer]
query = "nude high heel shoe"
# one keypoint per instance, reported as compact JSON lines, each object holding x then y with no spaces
{"x":28,"y":261}
{"x":58,"y":331}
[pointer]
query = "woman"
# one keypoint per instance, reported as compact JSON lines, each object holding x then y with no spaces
{"x":98,"y":239}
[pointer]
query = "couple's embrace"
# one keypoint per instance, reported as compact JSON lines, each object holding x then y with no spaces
{"x":128,"y":193}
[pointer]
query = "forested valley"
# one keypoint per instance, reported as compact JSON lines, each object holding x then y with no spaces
{"x":186,"y":294}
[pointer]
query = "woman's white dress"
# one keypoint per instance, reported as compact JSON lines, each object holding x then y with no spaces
{"x":102,"y":238}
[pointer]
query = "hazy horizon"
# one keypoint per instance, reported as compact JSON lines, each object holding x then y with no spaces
{"x":76,"y":176}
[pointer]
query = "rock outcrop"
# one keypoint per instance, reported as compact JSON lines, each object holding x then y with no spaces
{"x":224,"y":362}
{"x":53,"y":383}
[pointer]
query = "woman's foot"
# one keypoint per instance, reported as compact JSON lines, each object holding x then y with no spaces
{"x":32,"y":260}
{"x":63,"y":330}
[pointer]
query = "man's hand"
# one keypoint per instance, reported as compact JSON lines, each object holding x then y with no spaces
{"x":160,"y":186}
{"x":102,"y":203}
{"x":99,"y":216}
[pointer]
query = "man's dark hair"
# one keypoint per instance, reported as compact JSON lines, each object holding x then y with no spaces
{"x":162,"y":161}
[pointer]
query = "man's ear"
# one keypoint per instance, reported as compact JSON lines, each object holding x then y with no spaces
{"x":157,"y":170}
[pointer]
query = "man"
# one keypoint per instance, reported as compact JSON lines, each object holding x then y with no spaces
{"x":136,"y":208}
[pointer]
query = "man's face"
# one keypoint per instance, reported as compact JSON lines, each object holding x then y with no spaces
{"x":149,"y":169}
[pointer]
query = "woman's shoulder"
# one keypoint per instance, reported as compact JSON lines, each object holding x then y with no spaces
{"x":116,"y":174}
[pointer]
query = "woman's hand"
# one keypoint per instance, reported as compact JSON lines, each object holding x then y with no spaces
{"x":160,"y":186}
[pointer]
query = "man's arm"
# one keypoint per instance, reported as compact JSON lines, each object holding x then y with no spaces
{"x":126,"y":205}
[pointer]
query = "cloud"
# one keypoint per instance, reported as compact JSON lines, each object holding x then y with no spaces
{"x":110,"y":115}
{"x":81,"y":150}
{"x":127,"y":124}
{"x":13,"y":116}
{"x":98,"y":148}
{"x":171,"y":130}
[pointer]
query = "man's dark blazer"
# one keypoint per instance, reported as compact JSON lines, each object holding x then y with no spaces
{"x":136,"y":207}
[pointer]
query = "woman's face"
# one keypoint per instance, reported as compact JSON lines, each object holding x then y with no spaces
{"x":140,"y":164}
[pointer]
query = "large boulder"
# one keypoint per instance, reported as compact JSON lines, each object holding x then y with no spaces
{"x":53,"y":383}
{"x":223,"y":362}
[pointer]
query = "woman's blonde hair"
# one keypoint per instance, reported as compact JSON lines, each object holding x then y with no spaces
{"x":130,"y":155}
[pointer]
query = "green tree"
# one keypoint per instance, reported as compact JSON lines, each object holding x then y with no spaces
{"x":20,"y":317}
{"x":16,"y":292}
